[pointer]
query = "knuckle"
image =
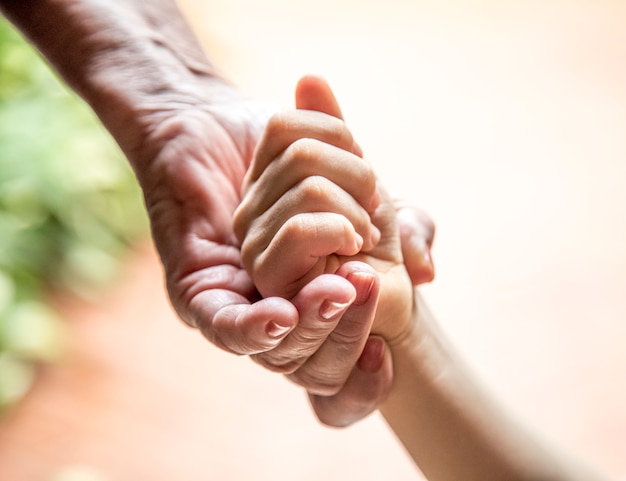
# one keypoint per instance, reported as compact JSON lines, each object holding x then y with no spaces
{"x":278,"y":123}
{"x":277,"y":362}
{"x":310,"y":337}
{"x":337,"y":132}
{"x":314,"y":189}
{"x":301,"y":150}
{"x":349,"y":338}
{"x":297,"y":226}
{"x":317,"y":382}
{"x":305,"y":226}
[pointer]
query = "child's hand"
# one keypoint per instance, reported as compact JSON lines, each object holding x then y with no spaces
{"x":310,"y":202}
{"x":312,"y":205}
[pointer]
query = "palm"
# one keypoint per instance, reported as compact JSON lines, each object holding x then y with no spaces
{"x":195,"y":184}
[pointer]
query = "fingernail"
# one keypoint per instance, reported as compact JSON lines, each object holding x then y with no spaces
{"x":371,"y":359}
{"x":330,"y":309}
{"x":363,"y":282}
{"x":276,"y":331}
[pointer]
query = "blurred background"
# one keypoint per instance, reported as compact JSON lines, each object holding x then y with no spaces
{"x":504,"y":120}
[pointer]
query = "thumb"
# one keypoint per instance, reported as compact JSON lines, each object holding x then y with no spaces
{"x":365,"y":390}
{"x":417,"y":231}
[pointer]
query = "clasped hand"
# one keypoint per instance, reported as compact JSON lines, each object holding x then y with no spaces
{"x":315,"y":327}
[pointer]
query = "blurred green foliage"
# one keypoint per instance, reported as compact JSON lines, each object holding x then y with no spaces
{"x":69,"y":208}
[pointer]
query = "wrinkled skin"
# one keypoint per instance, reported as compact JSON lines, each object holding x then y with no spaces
{"x":192,"y":188}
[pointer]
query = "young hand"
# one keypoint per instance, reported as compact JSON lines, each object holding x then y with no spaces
{"x":313,"y":204}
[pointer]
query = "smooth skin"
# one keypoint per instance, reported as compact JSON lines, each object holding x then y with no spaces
{"x":310,"y":201}
{"x":301,"y":218}
{"x":190,"y":136}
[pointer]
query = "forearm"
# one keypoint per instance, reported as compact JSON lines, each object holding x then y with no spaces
{"x":130,"y":60}
{"x":451,"y":427}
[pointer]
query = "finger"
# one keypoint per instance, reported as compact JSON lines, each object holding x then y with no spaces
{"x":284,"y":128}
{"x":314,"y":93}
{"x":306,"y":158}
{"x":326,"y":371}
{"x":320,"y":304}
{"x":313,"y":194}
{"x":301,"y":228}
{"x":417,"y":232}
{"x":234,"y":324}
{"x":302,"y":249}
{"x":366,"y":388}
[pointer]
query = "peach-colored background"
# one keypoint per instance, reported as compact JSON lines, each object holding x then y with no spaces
{"x":506,"y":121}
